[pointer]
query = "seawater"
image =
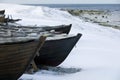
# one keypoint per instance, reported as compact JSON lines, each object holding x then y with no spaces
{"x":83,"y":6}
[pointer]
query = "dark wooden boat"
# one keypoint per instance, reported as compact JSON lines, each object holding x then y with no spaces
{"x":57,"y":29}
{"x":15,"y":56}
{"x":11,"y":20}
{"x":60,"y":28}
{"x":2,"y":11}
{"x":55,"y":51}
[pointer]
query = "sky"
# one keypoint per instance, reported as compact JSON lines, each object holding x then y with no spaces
{"x":61,"y":1}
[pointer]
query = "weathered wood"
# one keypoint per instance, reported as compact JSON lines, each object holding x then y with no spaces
{"x":15,"y":57}
{"x":2,"y":18}
{"x":34,"y":66}
{"x":59,"y":29}
{"x":41,"y":42}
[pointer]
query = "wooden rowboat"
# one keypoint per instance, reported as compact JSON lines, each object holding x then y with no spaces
{"x":55,"y":51}
{"x":57,"y":29}
{"x":15,"y":56}
{"x":2,"y":11}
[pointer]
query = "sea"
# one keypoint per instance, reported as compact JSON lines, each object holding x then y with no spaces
{"x":83,"y":6}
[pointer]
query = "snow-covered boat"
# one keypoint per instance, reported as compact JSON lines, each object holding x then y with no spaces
{"x":57,"y":29}
{"x":56,"y":49}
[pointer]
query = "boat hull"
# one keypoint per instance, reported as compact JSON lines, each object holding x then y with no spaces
{"x":15,"y":58}
{"x":54,"y":52}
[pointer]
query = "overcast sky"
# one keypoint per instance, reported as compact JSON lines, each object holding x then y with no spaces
{"x":61,"y":1}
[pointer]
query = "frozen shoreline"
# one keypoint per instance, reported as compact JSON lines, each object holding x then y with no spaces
{"x":102,"y":17}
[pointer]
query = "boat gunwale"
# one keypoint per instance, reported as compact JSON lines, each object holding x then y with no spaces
{"x":63,"y":38}
{"x":18,"y":42}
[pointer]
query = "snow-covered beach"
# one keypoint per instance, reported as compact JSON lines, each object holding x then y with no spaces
{"x":97,"y":53}
{"x":107,"y":18}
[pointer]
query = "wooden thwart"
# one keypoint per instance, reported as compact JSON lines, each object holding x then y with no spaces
{"x":34,"y":66}
{"x":42,"y":40}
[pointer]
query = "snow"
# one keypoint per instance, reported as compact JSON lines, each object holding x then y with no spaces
{"x":110,"y":18}
{"x":97,"y":53}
